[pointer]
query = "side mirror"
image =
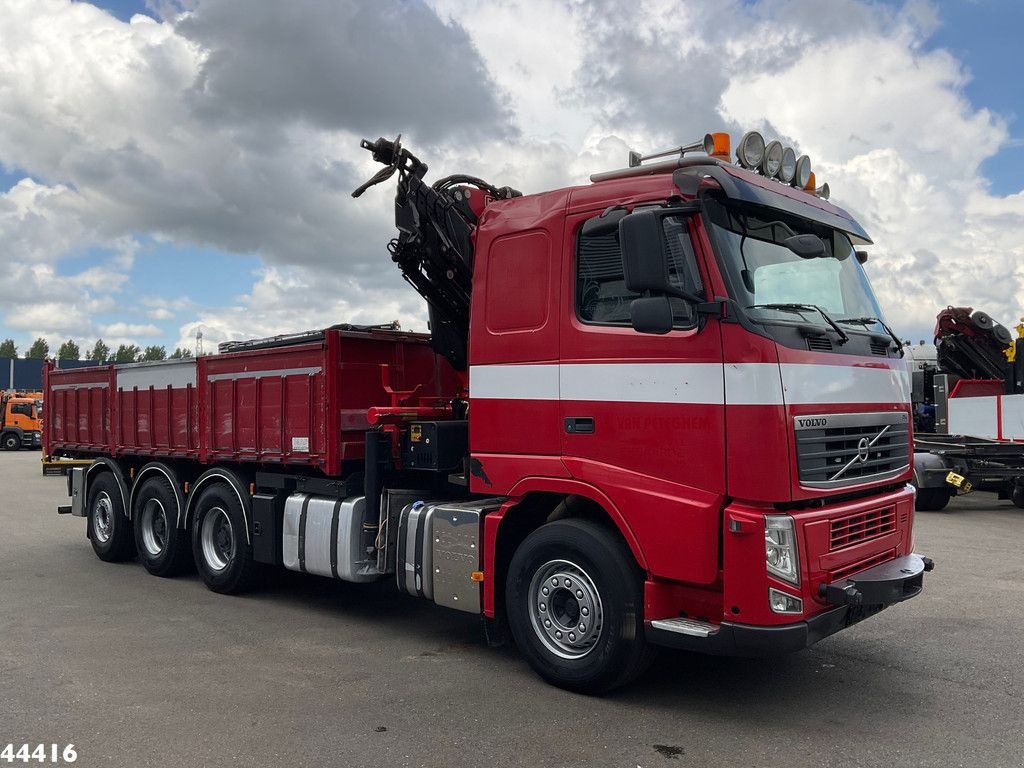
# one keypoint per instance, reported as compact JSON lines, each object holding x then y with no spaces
{"x":805,"y":246}
{"x":862,"y":256}
{"x":651,"y":314}
{"x":644,"y":261}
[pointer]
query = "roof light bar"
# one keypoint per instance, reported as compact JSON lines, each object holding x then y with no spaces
{"x":772,"y":160}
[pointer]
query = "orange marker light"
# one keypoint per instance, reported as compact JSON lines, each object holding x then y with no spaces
{"x":720,"y":146}
{"x":476,"y":576}
{"x":809,"y":187}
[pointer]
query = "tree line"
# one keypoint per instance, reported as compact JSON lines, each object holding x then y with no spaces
{"x":100,"y":353}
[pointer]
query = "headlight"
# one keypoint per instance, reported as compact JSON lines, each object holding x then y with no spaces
{"x":780,"y":548}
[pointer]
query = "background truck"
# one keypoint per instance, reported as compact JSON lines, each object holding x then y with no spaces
{"x":20,"y":420}
{"x":969,"y":409}
{"x":657,"y":409}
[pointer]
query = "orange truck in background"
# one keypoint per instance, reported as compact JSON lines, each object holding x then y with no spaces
{"x":21,"y":420}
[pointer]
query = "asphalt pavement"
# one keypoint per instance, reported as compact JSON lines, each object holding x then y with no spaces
{"x":139,"y":671}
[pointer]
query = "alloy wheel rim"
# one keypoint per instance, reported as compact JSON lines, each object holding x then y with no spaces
{"x":565,"y":609}
{"x":217,"y":539}
{"x":154,"y":526}
{"x":102,"y":518}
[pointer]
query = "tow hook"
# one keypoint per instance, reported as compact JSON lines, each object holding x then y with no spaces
{"x":848,"y":595}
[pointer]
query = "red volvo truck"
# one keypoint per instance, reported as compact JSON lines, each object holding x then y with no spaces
{"x":660,"y":409}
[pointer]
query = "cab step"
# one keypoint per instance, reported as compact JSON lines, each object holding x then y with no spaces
{"x":691,"y":627}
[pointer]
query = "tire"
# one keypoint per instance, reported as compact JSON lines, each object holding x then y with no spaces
{"x":110,"y":530}
{"x":932,"y":499}
{"x":598,"y":579}
{"x":10,"y":441}
{"x":982,"y":321}
{"x":222,"y":555}
{"x":1002,"y":335}
{"x":1017,"y":497}
{"x":163,"y":547}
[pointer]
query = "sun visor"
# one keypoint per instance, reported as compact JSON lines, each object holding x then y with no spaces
{"x":743,"y":187}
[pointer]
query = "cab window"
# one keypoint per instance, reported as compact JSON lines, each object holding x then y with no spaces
{"x":601,"y":294}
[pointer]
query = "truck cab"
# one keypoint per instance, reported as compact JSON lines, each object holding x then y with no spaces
{"x":20,"y":421}
{"x":694,"y":349}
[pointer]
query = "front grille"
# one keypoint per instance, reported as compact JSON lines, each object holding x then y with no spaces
{"x":861,"y":565}
{"x":842,"y":449}
{"x":863,"y":526}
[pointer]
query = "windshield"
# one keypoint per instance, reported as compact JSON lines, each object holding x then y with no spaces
{"x":765,"y":275}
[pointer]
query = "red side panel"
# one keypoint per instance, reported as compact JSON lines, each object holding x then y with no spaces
{"x":78,"y":409}
{"x":157,"y":409}
{"x":297,"y":404}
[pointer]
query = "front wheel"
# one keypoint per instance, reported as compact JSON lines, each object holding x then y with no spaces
{"x":574,"y":599}
{"x":1017,"y":496}
{"x":223,"y":555}
{"x":10,"y":442}
{"x":932,"y":499}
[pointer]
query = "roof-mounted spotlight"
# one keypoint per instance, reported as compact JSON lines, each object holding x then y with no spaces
{"x":750,"y":151}
{"x":788,"y":168}
{"x":803,"y":172}
{"x":772,"y":161}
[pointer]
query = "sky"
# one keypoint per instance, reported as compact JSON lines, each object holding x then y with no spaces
{"x":168,"y":166}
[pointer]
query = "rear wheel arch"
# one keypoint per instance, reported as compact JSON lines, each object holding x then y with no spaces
{"x":226,"y":477}
{"x":159,"y":469}
{"x":102,"y":465}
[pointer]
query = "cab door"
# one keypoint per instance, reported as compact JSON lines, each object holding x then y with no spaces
{"x":642,"y":415}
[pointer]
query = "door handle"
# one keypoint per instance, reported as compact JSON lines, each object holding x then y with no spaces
{"x":579,"y":425}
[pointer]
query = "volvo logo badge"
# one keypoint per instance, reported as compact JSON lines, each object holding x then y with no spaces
{"x":863,"y":450}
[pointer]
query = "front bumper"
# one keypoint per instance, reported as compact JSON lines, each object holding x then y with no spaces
{"x":858,"y":597}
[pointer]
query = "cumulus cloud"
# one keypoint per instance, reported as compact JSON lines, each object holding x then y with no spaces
{"x":235,"y":125}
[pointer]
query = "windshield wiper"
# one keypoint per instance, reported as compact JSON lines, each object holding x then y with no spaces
{"x":866,"y":321}
{"x":843,"y":336}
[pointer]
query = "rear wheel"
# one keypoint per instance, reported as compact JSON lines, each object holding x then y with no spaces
{"x":222,"y":554}
{"x":163,"y":547}
{"x":110,"y":530}
{"x":932,"y":499}
{"x":10,"y":441}
{"x":574,"y":599}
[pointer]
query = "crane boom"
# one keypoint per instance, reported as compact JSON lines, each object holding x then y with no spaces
{"x":434,"y":247}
